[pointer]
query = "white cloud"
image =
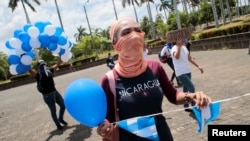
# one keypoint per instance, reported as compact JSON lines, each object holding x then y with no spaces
{"x":100,"y":14}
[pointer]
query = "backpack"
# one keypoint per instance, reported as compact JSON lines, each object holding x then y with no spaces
{"x":163,"y":59}
{"x":39,"y":85}
{"x":112,"y":84}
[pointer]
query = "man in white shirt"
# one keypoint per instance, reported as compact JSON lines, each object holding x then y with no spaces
{"x":181,"y":59}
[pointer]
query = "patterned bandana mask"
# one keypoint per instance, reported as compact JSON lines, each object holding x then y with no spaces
{"x":131,"y":62}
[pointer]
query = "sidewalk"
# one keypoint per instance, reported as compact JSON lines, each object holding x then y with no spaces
{"x":25,"y":117}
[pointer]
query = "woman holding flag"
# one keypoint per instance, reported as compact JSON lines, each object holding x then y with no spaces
{"x":136,"y":90}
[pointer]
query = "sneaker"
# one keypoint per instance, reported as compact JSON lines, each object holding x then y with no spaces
{"x":188,"y":110}
{"x":63,"y":122}
{"x":59,"y":127}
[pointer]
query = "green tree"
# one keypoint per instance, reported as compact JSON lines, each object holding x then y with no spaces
{"x":160,"y":26}
{"x":81,"y":32}
{"x":147,"y":2}
{"x":145,"y":26}
{"x":4,"y":67}
{"x":172,"y":25}
{"x":205,"y":13}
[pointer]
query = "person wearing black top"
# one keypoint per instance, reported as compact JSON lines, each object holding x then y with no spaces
{"x":46,"y":86}
{"x":110,"y":61}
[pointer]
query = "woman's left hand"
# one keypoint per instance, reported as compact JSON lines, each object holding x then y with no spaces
{"x":201,"y":99}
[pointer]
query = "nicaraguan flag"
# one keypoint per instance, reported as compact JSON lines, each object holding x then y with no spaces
{"x":206,"y":114}
{"x":141,"y":126}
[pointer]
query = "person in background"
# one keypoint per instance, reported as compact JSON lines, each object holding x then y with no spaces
{"x":139,"y":86}
{"x":51,"y":96}
{"x":166,"y":51}
{"x":110,"y":61}
{"x":181,"y":60}
{"x":146,"y":50}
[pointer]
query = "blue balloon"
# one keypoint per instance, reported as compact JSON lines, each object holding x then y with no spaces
{"x":58,"y":31}
{"x":62,"y":40}
{"x":7,"y":44}
{"x":26,"y":27}
{"x":40,"y":26}
{"x":23,"y":36}
{"x":53,"y":39}
{"x":26,"y":46}
{"x":17,"y":32}
{"x":86,"y":102}
{"x":52,"y":47}
{"x":62,"y":51}
{"x":44,"y":40}
{"x":22,"y":69}
{"x":31,"y":54}
{"x":13,"y":59}
{"x":70,"y":44}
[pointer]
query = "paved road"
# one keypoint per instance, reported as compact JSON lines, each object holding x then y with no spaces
{"x":25,"y":117}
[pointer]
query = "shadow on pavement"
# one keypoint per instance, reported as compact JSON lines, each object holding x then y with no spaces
{"x":80,"y":132}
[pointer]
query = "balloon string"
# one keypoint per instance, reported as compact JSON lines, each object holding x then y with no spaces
{"x":177,"y":110}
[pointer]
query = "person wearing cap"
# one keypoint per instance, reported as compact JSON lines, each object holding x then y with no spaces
{"x":51,"y":96}
{"x":166,"y":51}
{"x":139,"y":86}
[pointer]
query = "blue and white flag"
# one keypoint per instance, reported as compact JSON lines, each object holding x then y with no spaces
{"x":206,"y":115}
{"x":141,"y":126}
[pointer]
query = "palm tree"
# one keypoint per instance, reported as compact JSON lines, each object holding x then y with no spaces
{"x":81,"y":32}
{"x":166,"y":6}
{"x":215,"y":13}
{"x":222,"y":12}
{"x":178,"y":20}
{"x":229,"y":11}
{"x":59,"y":15}
{"x":133,"y":4}
{"x":115,"y":10}
{"x":150,"y":16}
{"x":14,"y":3}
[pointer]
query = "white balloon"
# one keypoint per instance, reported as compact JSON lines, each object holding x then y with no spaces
{"x":35,"y":43}
{"x":65,"y":46}
{"x":12,"y":69}
{"x":16,"y":43}
{"x":56,"y":52}
{"x":70,"y":55}
{"x":65,"y":57}
{"x":26,"y":60}
{"x":20,"y":51}
{"x":11,"y":52}
{"x":33,"y":32}
{"x":50,"y":30}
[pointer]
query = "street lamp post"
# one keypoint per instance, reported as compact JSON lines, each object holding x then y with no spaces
{"x":92,"y":39}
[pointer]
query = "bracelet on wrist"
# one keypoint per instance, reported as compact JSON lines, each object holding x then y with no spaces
{"x":187,"y":99}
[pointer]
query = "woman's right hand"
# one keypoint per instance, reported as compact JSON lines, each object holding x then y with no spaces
{"x":106,"y":129}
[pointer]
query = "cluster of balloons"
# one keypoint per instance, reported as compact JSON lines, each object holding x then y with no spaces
{"x":32,"y":37}
{"x":86,"y":102}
